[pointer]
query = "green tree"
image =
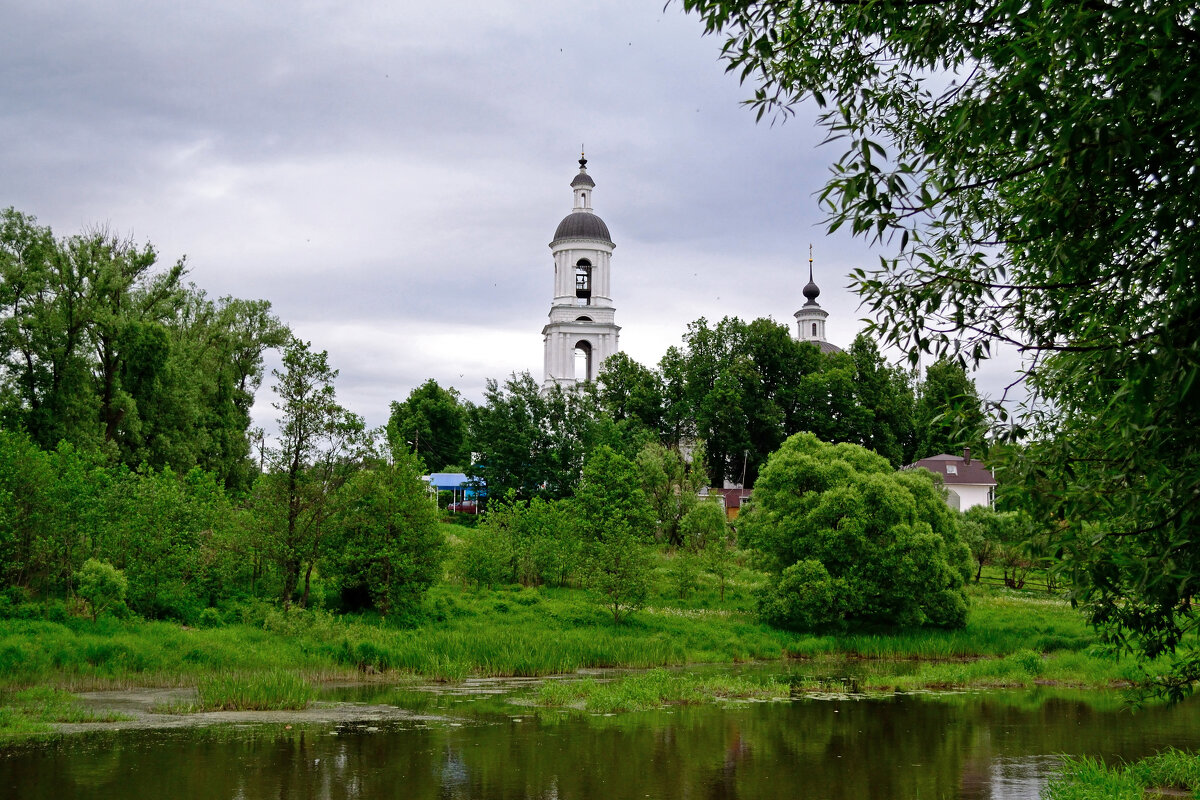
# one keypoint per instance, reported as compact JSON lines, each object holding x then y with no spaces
{"x":876,"y":545}
{"x":885,"y":393}
{"x":615,"y":520}
{"x":531,"y":441}
{"x":671,"y":484}
{"x":529,"y":542}
{"x":199,"y":413}
{"x":161,"y":530}
{"x":484,"y":556}
{"x":737,"y":387}
{"x":432,"y":422}
{"x":949,"y":414}
{"x":630,"y":391}
{"x":101,"y":585}
{"x":320,"y":447}
{"x":706,"y":529}
{"x":1031,"y":169}
{"x":102,"y":348}
{"x":26,"y":485}
{"x":386,"y":540}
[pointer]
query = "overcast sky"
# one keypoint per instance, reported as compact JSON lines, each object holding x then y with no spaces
{"x":389,"y":174}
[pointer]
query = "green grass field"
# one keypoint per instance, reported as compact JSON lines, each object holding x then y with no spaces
{"x":1011,"y":639}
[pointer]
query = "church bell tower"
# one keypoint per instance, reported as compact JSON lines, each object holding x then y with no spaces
{"x":582,"y":331}
{"x":810,"y":319}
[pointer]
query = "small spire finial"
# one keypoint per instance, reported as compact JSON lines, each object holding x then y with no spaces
{"x":810,"y":275}
{"x":582,"y":158}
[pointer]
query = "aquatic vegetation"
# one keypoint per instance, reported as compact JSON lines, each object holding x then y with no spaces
{"x":30,"y":711}
{"x":1086,"y":778}
{"x":655,"y":689}
{"x":266,"y":691}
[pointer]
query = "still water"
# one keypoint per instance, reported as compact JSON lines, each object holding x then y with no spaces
{"x":926,"y":746}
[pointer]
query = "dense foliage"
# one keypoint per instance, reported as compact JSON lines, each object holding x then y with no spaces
{"x":847,"y":538}
{"x":741,"y":388}
{"x":1033,"y":169}
{"x":615,"y":520}
{"x":432,"y":422}
{"x":386,"y":547}
{"x":127,"y":484}
{"x":101,"y":348}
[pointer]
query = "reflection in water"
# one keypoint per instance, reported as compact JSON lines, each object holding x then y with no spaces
{"x":979,"y":746}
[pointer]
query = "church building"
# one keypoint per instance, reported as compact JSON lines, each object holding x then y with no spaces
{"x":810,"y":319}
{"x":582,"y":331}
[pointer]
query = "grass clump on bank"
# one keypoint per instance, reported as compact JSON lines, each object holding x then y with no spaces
{"x":29,"y":712}
{"x":275,"y":690}
{"x":1090,"y":779}
{"x":654,"y":689}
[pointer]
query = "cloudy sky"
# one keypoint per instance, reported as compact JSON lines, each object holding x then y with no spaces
{"x":389,"y":174}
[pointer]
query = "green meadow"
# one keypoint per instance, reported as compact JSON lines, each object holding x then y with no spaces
{"x":1011,"y":639}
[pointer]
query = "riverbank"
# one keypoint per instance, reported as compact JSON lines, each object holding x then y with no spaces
{"x":1012,"y":640}
{"x":1169,"y":774}
{"x":517,"y":631}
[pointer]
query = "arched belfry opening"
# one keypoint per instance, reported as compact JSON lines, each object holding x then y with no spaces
{"x":583,"y":281}
{"x":583,"y":362}
{"x":582,"y":330}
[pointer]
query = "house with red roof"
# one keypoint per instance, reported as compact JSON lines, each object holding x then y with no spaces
{"x":968,"y":482}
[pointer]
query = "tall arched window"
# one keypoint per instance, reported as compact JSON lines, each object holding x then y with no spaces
{"x":583,"y":280}
{"x":583,"y":362}
{"x":814,"y":330}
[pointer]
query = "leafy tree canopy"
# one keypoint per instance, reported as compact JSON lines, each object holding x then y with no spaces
{"x":949,"y":414}
{"x":616,"y":523}
{"x":849,"y":539}
{"x":531,"y":441}
{"x":1032,"y":168}
{"x":386,"y":540}
{"x":103,"y":348}
{"x":432,"y":422}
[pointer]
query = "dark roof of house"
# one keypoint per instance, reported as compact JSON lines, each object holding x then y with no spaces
{"x":733,"y":497}
{"x":582,"y":225}
{"x":973,"y":473}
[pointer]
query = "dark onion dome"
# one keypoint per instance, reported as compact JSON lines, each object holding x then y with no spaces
{"x":583,"y":179}
{"x":812,"y":292}
{"x":582,"y":225}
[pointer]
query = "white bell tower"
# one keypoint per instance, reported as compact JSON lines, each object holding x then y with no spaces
{"x":810,"y":319}
{"x":582,"y":331}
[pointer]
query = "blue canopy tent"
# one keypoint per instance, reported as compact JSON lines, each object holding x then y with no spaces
{"x":457,"y":482}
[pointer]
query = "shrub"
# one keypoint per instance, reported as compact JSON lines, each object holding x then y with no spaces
{"x":101,"y":585}
{"x":879,"y":546}
{"x":210,"y":618}
{"x":804,"y":597}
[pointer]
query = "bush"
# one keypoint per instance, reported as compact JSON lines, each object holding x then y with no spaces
{"x":803,"y":598}
{"x":836,"y":524}
{"x":387,"y":539}
{"x":484,"y":558}
{"x":210,"y":618}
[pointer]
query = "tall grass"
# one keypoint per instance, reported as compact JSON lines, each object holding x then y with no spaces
{"x":265,"y":691}
{"x":654,"y":689}
{"x":1088,"y":779}
{"x":515,"y":631}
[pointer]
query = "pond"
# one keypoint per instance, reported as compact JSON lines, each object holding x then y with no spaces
{"x":481,"y":745}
